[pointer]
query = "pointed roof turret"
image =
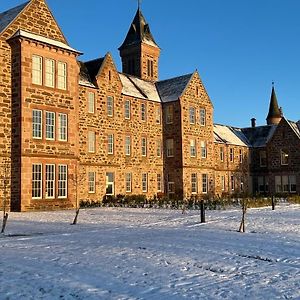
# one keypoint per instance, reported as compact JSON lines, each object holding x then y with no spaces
{"x":139,"y":32}
{"x":275,"y":114}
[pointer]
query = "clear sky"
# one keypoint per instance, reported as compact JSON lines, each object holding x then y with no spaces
{"x":238,"y":46}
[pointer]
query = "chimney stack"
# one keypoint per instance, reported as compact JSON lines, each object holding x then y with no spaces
{"x":253,"y":122}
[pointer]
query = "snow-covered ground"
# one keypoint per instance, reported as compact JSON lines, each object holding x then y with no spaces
{"x":151,"y":254}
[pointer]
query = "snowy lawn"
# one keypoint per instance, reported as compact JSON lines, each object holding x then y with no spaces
{"x":151,"y":254}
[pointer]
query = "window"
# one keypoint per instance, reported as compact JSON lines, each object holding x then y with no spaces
{"x":171,"y":185}
{"x":144,"y":182}
{"x":284,"y":158}
{"x":202,"y":117}
{"x":204,"y":184}
{"x":223,"y":182}
{"x":222,"y":154}
{"x":203,"y":149}
{"x":231,"y":154}
{"x":110,"y":144}
{"x":285,"y":184}
{"x":158,"y":148}
{"x":192,"y":115}
{"x":91,"y":141}
{"x":127,"y":145}
{"x":110,"y":186}
{"x":92,"y":182}
{"x":194,"y":183}
{"x":91,"y":102}
{"x":36,"y":124}
{"x":169,"y":114}
{"x":50,"y":72}
{"x":37,"y":181}
{"x":261,"y":184}
{"x":127,"y":109}
{"x":50,"y":181}
{"x":158,"y":115}
{"x":278,"y":184}
{"x":170,"y":147}
{"x":62,"y":75}
{"x":50,"y":125}
{"x":241,"y":156}
{"x":292,"y":182}
{"x":232,"y":183}
{"x":143,"y":112}
{"x":37,"y":69}
{"x":149,"y":68}
{"x":62,"y":181}
{"x":193,"y":150}
{"x":110,"y":106}
{"x":128,"y":182}
{"x":62,"y":127}
{"x":263,"y":158}
{"x":159,"y":182}
{"x":144,"y":146}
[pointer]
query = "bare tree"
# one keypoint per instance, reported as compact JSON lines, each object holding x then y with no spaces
{"x":5,"y":176}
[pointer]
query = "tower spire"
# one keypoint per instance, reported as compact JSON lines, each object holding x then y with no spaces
{"x":275,"y":114}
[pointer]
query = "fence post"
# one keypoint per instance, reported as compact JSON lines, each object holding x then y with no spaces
{"x":202,"y":208}
{"x":273,"y":203}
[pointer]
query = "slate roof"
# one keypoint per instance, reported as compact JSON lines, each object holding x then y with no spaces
{"x":260,"y":135}
{"x":8,"y":16}
{"x":229,"y":135}
{"x":295,"y":126}
{"x":84,"y":76}
{"x":139,"y":31}
{"x":171,"y":89}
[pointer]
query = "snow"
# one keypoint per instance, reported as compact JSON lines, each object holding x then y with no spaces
{"x":45,"y":40}
{"x":228,"y":135}
{"x":116,"y":253}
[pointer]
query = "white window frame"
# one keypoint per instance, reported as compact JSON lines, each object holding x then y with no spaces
{"x":91,"y":102}
{"x":194,"y":183}
{"x":62,"y":181}
{"x":222,"y":154}
{"x":223,"y":183}
{"x":232,"y":183}
{"x":202,"y":116}
{"x":170,"y":147}
{"x":169,"y":114}
{"x":203,"y":149}
{"x":231,"y":154}
{"x":284,"y":158}
{"x":159,"y":182}
{"x":50,"y":125}
{"x":158,"y":115}
{"x":62,"y":127}
{"x":127,"y":109}
{"x":158,"y":148}
{"x":241,"y":156}
{"x":37,"y":124}
{"x":49,"y":72}
{"x":110,"y":106}
{"x":192,"y":115}
{"x":144,"y":146}
{"x":128,"y":145}
{"x":92,"y":182}
{"x":110,"y":183}
{"x":37,"y":181}
{"x":204,"y":183}
{"x":49,"y":181}
{"x":144,"y":182}
{"x":193,"y":148}
{"x":61,"y":75}
{"x":110,"y":144}
{"x":128,"y":182}
{"x":91,"y":142}
{"x":37,"y":69}
{"x":293,"y":183}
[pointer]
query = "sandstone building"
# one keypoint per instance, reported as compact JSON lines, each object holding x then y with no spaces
{"x":73,"y":130}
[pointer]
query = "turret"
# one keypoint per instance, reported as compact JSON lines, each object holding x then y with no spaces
{"x":275,"y":113}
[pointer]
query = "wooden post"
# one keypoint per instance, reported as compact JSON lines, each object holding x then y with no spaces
{"x":4,"y":222}
{"x":202,"y":209}
{"x":273,"y":203}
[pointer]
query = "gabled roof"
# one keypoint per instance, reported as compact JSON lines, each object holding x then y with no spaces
{"x":229,"y":135}
{"x":8,"y":16}
{"x":260,"y":135}
{"x":136,"y":87}
{"x":171,"y":89}
{"x":139,"y":32}
{"x":295,"y":126}
{"x":42,"y":39}
{"x":84,"y":76}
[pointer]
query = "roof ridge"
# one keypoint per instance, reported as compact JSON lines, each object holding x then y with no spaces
{"x":185,"y":75}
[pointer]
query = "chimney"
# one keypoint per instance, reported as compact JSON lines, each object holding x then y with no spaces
{"x":253,"y":122}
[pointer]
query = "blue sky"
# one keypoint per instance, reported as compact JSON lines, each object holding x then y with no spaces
{"x":238,"y":46}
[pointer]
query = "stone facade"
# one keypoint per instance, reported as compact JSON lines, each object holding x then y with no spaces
{"x":73,"y":131}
